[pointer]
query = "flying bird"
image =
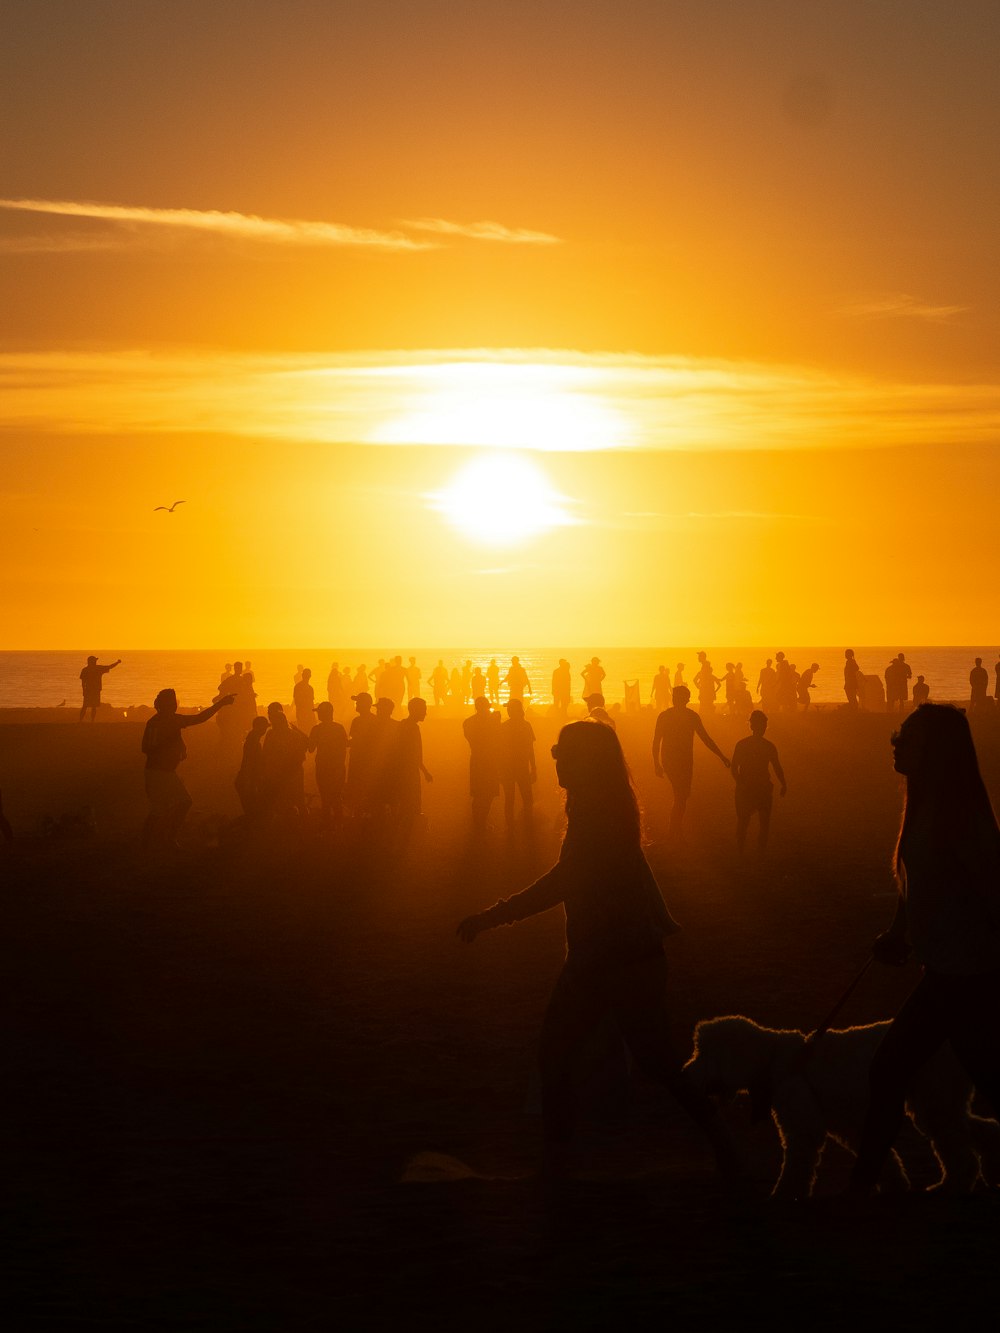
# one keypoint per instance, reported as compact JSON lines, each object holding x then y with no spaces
{"x":170,"y":508}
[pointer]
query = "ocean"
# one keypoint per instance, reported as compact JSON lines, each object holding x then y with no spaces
{"x":45,"y":679}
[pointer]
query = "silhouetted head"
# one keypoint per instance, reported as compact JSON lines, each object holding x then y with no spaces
{"x":979,"y":661}
{"x":848,"y":652}
{"x":563,"y":662}
{"x":362,"y":702}
{"x":324,"y":711}
{"x":306,"y":673}
{"x":595,"y":700}
{"x":515,"y":661}
{"x":601,"y":806}
{"x":258,"y":726}
{"x":934,"y":751}
{"x":413,"y":661}
{"x":384,"y":707}
{"x":758,"y":722}
{"x":681,"y":696}
{"x":515,"y":708}
{"x":237,"y":668}
{"x":91,"y":661}
{"x":165,"y":701}
{"x":481,"y":705}
{"x":702,"y":657}
{"x":920,"y":680}
{"x":730,"y":666}
{"x":417,"y":709}
{"x":276,"y":713}
{"x":900,"y":657}
{"x":814,"y":667}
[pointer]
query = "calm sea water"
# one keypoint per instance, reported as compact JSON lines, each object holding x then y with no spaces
{"x":44,"y":679}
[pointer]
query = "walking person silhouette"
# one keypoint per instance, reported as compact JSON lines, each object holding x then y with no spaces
{"x":616,"y":924}
{"x":947,"y":867}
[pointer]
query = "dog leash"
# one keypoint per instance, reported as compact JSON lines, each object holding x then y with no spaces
{"x":827,"y":1023}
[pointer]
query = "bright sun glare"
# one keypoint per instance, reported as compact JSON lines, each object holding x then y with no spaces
{"x":500,"y":500}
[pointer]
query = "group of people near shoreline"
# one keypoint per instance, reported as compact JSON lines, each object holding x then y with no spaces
{"x":946,"y":863}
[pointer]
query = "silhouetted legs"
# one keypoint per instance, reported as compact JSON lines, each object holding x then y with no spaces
{"x":749,"y":803}
{"x":169,"y":804}
{"x":633,"y":995}
{"x":510,"y":788}
{"x":680,"y":782}
{"x":962,"y":1010}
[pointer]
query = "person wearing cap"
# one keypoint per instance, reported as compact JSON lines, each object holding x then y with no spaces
{"x":92,"y":680}
{"x":517,"y":760}
{"x":164,"y":748}
{"x":328,"y":742}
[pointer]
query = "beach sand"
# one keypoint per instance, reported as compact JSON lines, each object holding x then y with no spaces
{"x":221,"y":1069}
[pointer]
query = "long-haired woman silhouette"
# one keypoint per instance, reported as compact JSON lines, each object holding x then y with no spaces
{"x":947,"y":866}
{"x":616,"y":922}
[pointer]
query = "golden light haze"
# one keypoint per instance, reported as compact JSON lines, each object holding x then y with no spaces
{"x":722,"y":277}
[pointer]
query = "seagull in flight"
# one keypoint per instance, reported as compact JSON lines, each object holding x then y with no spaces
{"x":170,"y":508}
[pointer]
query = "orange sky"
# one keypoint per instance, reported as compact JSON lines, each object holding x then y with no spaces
{"x":725,"y":273}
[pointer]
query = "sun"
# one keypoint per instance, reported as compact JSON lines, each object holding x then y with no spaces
{"x":501,"y":500}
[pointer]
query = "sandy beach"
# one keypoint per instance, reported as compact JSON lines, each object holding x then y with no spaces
{"x":227,"y":1072}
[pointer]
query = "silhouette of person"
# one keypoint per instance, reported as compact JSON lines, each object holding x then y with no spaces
{"x":439,"y":683}
{"x":767,"y":682}
{"x":996,"y":687}
{"x":517,"y":760}
{"x":304,"y":700}
{"x":360,"y":682}
{"x":481,"y":732}
{"x":283,"y":753}
{"x":409,"y":762}
{"x":948,"y":871}
{"x":616,"y":924}
{"x":248,"y":779}
{"x":806,"y":684}
{"x":394,"y":681}
{"x":897,"y":676}
{"x":376,"y":678}
{"x":412,"y":673}
{"x":979,"y":681}
{"x":707,"y":684}
{"x":360,"y":767}
{"x":673,"y":752}
{"x":467,"y":682}
{"x":478,"y":683}
{"x":382,"y":790}
{"x":593,"y":677}
{"x":597,"y":709}
{"x":245,"y":708}
{"x":92,"y":680}
{"x":753,"y":757}
{"x":328,"y":741}
{"x":679,"y":676}
{"x":455,"y":690}
{"x":335,"y":688}
{"x":516,"y":680}
{"x":921,"y":692}
{"x":561,"y":688}
{"x":661,"y":691}
{"x":852,"y":678}
{"x":164,"y":748}
{"x":493,"y":682}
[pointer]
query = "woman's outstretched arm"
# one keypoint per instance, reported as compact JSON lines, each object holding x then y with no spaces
{"x":546,"y":892}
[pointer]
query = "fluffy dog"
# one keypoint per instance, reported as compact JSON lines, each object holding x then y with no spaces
{"x":825,"y":1093}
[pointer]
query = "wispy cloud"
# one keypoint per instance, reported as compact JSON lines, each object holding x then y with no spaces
{"x":899,"y":305}
{"x":481,"y":231}
{"x":235,"y":226}
{"x":123,"y":222}
{"x":537,"y":399}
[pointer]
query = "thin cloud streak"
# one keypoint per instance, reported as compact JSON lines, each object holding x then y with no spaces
{"x":551,"y":401}
{"x":902,"y":306}
{"x":481,"y":231}
{"x":235,"y":226}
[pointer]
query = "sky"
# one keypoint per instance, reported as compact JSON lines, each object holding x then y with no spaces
{"x":554,"y":323}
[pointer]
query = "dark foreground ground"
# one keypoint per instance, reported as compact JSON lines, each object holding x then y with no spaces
{"x":219,"y":1071}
